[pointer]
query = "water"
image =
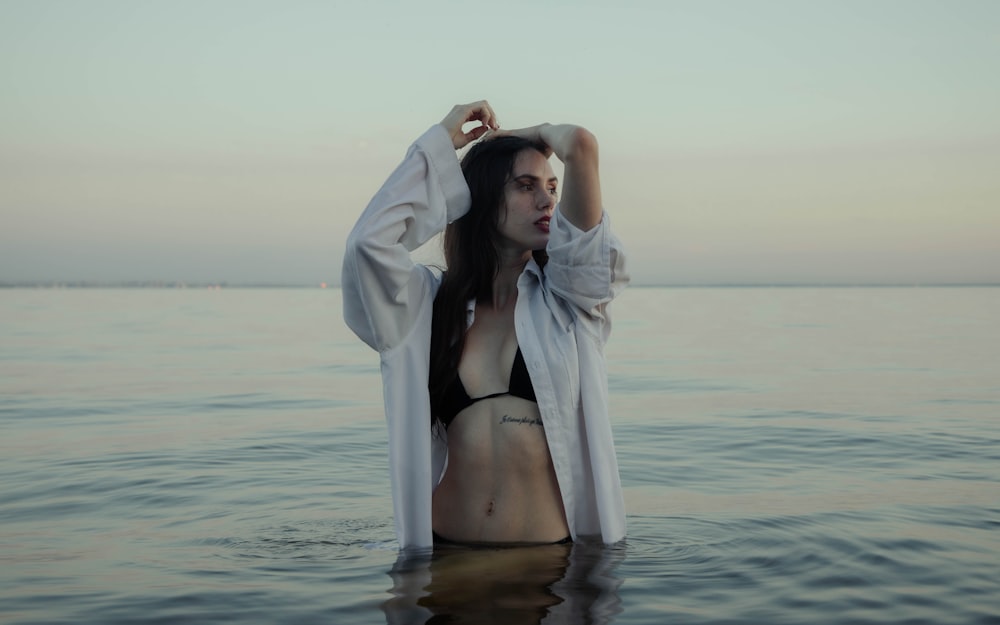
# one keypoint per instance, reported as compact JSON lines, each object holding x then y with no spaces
{"x":788,"y":455}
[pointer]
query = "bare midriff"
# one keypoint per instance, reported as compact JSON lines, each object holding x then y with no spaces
{"x":500,"y":485}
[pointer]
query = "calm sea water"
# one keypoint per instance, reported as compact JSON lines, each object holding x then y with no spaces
{"x":789,"y":456}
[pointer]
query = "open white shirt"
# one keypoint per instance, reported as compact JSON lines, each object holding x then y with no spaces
{"x":561,"y":321}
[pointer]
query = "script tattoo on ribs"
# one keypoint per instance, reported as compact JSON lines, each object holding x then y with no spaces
{"x":521,"y":420}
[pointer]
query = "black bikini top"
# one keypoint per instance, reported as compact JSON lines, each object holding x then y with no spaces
{"x":456,"y":398}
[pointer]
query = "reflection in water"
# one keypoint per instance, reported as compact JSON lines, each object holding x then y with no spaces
{"x":572,"y":583}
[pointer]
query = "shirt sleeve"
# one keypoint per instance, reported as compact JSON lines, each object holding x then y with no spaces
{"x":585,"y":268}
{"x":383,"y":289}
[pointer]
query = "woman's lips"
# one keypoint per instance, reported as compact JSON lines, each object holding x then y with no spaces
{"x":543,"y":224}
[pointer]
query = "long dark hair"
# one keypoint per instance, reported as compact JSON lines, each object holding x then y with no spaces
{"x":472,"y":258}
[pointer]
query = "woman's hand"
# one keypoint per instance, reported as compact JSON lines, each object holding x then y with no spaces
{"x":462,"y":114}
{"x":533,"y":134}
{"x":566,"y":141}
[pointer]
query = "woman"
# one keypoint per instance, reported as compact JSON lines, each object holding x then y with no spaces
{"x":493,"y":374}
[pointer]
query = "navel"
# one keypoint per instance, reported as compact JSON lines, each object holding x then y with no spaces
{"x":490,"y":507}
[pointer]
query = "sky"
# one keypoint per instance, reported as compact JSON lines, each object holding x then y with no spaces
{"x":742,"y":141}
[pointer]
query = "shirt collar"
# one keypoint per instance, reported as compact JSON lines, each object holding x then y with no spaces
{"x":530,"y":268}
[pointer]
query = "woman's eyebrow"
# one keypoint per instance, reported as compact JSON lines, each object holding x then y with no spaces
{"x":534,"y":178}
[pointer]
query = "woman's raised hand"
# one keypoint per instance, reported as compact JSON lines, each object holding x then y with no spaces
{"x":462,"y":114}
{"x":533,"y":134}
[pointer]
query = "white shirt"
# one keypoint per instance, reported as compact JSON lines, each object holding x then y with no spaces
{"x":561,"y":321}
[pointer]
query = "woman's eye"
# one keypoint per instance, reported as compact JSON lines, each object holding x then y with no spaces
{"x":553,"y":191}
{"x":526,"y":187}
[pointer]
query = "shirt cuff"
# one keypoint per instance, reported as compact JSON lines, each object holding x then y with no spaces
{"x":436,"y":144}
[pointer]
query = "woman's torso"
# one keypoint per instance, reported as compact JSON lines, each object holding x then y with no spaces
{"x":500,"y":485}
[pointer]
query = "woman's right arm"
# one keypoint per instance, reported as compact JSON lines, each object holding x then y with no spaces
{"x":383,"y":289}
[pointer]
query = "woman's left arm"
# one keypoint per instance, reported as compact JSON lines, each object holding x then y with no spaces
{"x":586,"y":262}
{"x":577,"y":148}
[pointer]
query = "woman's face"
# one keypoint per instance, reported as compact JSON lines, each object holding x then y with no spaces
{"x":529,"y":199}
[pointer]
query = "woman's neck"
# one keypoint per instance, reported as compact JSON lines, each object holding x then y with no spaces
{"x":505,"y":282}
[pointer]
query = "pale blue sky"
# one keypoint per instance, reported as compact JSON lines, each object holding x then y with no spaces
{"x":742,"y":141}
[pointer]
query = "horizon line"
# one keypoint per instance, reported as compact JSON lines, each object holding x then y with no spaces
{"x":225,"y":284}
